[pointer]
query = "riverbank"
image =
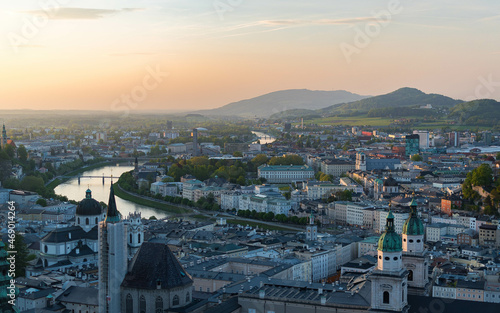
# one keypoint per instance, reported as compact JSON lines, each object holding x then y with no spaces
{"x":152,"y":203}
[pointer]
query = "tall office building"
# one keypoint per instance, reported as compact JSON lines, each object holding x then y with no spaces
{"x":424,"y":138}
{"x":454,"y":139}
{"x":412,"y":145}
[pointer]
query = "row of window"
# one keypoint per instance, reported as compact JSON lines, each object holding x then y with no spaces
{"x":129,"y":303}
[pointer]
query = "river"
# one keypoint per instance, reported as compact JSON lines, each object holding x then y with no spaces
{"x":100,"y":191}
{"x":264,"y":138}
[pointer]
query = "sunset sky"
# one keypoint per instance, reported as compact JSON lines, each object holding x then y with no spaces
{"x":88,"y":54}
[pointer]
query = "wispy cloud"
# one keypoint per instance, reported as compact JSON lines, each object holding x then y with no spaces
{"x":30,"y":46}
{"x":343,"y":21}
{"x":130,"y":54}
{"x":81,"y":13}
{"x":431,"y":26}
{"x":489,"y":18}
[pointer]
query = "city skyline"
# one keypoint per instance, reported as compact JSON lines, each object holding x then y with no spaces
{"x":205,"y":54}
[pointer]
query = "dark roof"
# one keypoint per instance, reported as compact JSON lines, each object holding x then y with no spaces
{"x":155,"y":262}
{"x":420,"y":304}
{"x":390,"y":182}
{"x":88,"y":206}
{"x":76,"y":233}
{"x":37,"y":294}
{"x":83,"y":249}
{"x":80,"y":295}
{"x":228,"y":306}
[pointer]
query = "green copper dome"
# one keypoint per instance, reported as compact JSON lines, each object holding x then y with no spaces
{"x":390,"y":241}
{"x":413,"y":226}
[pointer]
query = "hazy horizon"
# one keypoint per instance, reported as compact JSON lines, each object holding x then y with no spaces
{"x":180,"y":57}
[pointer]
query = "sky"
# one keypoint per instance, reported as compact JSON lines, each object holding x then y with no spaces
{"x":177,"y":55}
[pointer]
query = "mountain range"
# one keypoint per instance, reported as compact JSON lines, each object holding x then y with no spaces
{"x":266,"y":105}
{"x":404,"y":102}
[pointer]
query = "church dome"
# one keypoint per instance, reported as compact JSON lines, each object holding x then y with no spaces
{"x":88,"y":206}
{"x":413,"y":226}
{"x":390,"y":241}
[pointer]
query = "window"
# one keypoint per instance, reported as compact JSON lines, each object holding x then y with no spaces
{"x":175,"y":301}
{"x":138,"y":238}
{"x":159,"y":305}
{"x":45,"y":248}
{"x":395,"y":258}
{"x":129,"y":304}
{"x":410,"y":275}
{"x":386,"y":297}
{"x":251,"y":311}
{"x":188,"y":299}
{"x":96,"y":220}
{"x":130,"y":238}
{"x":78,"y":220}
{"x":142,"y":304}
{"x":387,"y":258}
{"x":87,"y":221}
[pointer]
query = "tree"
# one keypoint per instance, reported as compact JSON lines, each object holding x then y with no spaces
{"x":260,"y":159}
{"x":10,"y":150}
{"x":237,"y":154}
{"x":22,"y":153}
{"x":482,"y":175}
{"x":21,"y":255}
{"x":42,"y":202}
{"x":416,"y":158}
{"x":291,"y":159}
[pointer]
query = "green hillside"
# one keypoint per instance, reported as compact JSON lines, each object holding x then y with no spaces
{"x":484,"y":112}
{"x":404,"y":97}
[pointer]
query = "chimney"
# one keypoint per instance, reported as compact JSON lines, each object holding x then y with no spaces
{"x":261,"y":284}
{"x":323,"y":300}
{"x":262,"y":294}
{"x":320,"y":291}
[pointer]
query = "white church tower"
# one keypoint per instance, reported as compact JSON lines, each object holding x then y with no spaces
{"x":311,"y":230}
{"x":389,"y":285}
{"x":135,"y":233}
{"x":112,"y":258}
{"x":361,"y":161}
{"x":415,"y":258}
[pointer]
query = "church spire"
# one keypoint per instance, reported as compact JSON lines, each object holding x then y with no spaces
{"x":112,"y":216}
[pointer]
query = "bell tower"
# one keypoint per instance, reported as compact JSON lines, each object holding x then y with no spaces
{"x":361,"y":161}
{"x":135,"y":233}
{"x":311,"y":230}
{"x":415,"y":259}
{"x":389,"y":285}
